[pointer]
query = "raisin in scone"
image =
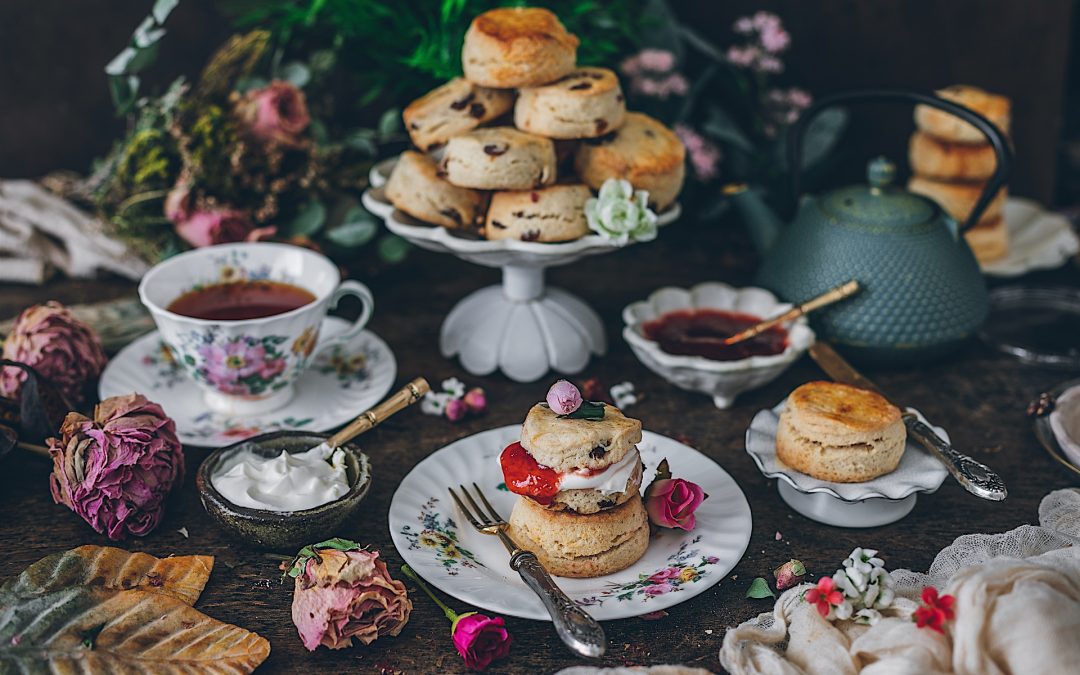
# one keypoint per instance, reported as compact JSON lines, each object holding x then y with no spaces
{"x":584,"y":104}
{"x":517,"y":47}
{"x":499,"y":158}
{"x":416,"y":187}
{"x":642,"y":151}
{"x":457,"y":107}
{"x":548,"y":215}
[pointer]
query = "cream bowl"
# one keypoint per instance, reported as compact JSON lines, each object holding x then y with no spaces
{"x":723,"y":380}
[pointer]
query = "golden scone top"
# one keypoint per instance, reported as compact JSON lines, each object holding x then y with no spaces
{"x":508,"y":24}
{"x":856,"y":409}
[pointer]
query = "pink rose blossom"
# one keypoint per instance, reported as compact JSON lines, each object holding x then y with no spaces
{"x":341,"y":595}
{"x":115,"y":470}
{"x":775,"y":39}
{"x":656,"y":60}
{"x":62,"y":349}
{"x":659,"y":589}
{"x":276,"y":114}
{"x":665,"y":574}
{"x":476,"y":400}
{"x":480,"y":639}
{"x":456,"y":409}
{"x":216,"y":226}
{"x":671,"y":502}
{"x":563,"y":398}
{"x":742,"y":56}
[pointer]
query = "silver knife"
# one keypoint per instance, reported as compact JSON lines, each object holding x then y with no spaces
{"x":977,"y":478}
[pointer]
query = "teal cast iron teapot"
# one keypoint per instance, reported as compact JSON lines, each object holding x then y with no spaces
{"x":923,"y":293}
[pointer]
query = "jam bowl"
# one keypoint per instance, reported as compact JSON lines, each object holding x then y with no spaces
{"x":676,"y":331}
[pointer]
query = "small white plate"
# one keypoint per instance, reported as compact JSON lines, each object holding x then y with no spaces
{"x":882,"y":500}
{"x":335,"y":389}
{"x":437,"y":541}
{"x":1038,"y":240}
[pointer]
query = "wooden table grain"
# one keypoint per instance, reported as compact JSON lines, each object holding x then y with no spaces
{"x":978,"y":395}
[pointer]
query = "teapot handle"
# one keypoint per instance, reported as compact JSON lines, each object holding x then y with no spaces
{"x":1002,"y":151}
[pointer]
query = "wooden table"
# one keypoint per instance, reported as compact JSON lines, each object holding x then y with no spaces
{"x":979,"y":396}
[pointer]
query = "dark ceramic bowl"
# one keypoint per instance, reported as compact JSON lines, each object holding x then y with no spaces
{"x":283,"y":530}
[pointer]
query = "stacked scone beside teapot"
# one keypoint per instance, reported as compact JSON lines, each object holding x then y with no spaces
{"x":515,"y":148}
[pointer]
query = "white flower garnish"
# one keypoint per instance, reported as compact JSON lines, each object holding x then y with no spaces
{"x":434,"y":403}
{"x":621,"y":214}
{"x":623,"y":394}
{"x":454,"y":387}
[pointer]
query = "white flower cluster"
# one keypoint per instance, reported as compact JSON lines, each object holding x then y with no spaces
{"x":866,"y":585}
{"x":620,"y":213}
{"x":434,"y":402}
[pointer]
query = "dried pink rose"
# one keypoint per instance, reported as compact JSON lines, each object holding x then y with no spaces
{"x":344,"y":594}
{"x":456,"y":409}
{"x":563,"y":398}
{"x":116,"y":469}
{"x":217,"y":226}
{"x":671,"y":502}
{"x":62,"y":349}
{"x":276,"y":114}
{"x":789,"y":574}
{"x":480,"y":639}
{"x":476,"y":400}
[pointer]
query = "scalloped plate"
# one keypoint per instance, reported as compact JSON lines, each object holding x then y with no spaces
{"x":436,"y":541}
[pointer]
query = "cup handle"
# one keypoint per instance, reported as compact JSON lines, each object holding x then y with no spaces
{"x":356,"y":289}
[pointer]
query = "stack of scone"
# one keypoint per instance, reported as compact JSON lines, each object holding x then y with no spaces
{"x":580,"y":509}
{"x":839,"y":433}
{"x":570,"y":132}
{"x":951,"y":162}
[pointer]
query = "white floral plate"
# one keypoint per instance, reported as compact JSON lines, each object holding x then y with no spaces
{"x":436,"y":540}
{"x":336,"y":388}
{"x":1038,"y":240}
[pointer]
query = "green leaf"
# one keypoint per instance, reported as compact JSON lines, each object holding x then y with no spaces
{"x":389,"y":123}
{"x":589,"y":410}
{"x":147,"y":33}
{"x":308,"y":221}
{"x":759,"y":588}
{"x":393,"y":248}
{"x":245,"y":84}
{"x":819,"y":138}
{"x":362,"y":140}
{"x":295,"y":72}
{"x":723,"y":128}
{"x":122,"y":89}
{"x":358,"y":229}
{"x":663,"y":470}
{"x":162,"y":9}
{"x":312,"y":551}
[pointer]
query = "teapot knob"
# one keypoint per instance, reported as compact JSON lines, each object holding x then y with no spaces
{"x":880,"y":173}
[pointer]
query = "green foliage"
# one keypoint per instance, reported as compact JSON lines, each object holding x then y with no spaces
{"x":207,"y":146}
{"x":149,"y":162}
{"x":139,"y":54}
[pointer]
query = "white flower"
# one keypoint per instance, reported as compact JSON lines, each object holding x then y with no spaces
{"x":454,"y":387}
{"x":434,"y":403}
{"x":867,"y":616}
{"x":623,"y":394}
{"x":621,"y":214}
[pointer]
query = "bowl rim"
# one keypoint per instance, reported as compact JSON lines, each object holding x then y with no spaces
{"x":353,"y":496}
{"x":632,"y":334}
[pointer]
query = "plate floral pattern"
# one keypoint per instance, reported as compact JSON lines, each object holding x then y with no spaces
{"x":430,"y":535}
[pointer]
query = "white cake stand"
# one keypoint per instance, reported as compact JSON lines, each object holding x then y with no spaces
{"x":521,"y":327}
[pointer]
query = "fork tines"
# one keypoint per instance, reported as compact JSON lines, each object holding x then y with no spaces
{"x":478,"y":517}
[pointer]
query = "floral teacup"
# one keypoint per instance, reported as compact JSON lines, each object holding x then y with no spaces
{"x":249,"y":366}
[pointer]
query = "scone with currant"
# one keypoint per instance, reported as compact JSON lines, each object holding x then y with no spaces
{"x":417,"y":187}
{"x":584,"y":104}
{"x":513,"y":47}
{"x":547,"y":215}
{"x":499,"y":158}
{"x":457,"y":107}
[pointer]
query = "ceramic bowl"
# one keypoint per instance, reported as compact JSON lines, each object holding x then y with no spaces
{"x":723,"y":380}
{"x":283,"y":530}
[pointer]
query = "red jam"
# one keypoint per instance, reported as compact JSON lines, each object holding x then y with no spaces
{"x":525,"y":476}
{"x":700,"y":332}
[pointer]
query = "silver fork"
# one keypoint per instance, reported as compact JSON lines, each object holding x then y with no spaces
{"x":578,"y":631}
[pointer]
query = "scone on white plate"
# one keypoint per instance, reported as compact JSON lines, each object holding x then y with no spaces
{"x":949,"y":127}
{"x":416,"y":187}
{"x":552,"y":214}
{"x":499,"y":158}
{"x":958,"y":199}
{"x":933,"y":158}
{"x":584,"y":104}
{"x":989,"y":239}
{"x":517,"y":47}
{"x":454,"y":108}
{"x":570,"y":444}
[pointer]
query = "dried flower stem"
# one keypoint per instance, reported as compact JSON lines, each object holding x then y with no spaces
{"x":36,"y":449}
{"x":139,"y":198}
{"x":450,"y":614}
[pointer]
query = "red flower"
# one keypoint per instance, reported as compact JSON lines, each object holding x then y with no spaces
{"x":935,"y":611}
{"x":825,"y":596}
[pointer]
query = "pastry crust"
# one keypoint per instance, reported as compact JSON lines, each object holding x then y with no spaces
{"x":957,"y":199}
{"x":517,"y":47}
{"x":585,"y":103}
{"x":550,"y":214}
{"x":499,"y":158}
{"x":416,"y":188}
{"x":933,"y":158}
{"x":948,"y":127}
{"x":457,"y":107}
{"x":568,"y":444}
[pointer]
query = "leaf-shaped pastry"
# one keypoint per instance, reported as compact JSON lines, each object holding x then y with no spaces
{"x":99,"y":609}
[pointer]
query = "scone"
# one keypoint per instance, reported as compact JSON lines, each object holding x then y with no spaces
{"x":416,"y":188}
{"x":584,"y":104}
{"x":949,"y":127}
{"x":839,"y":433}
{"x":569,"y":544}
{"x":499,"y":158}
{"x":933,"y":158}
{"x":569,"y":444}
{"x":957,"y":199}
{"x":517,"y":47}
{"x":457,"y":107}
{"x":552,"y":214}
{"x":642,"y":151}
{"x":989,"y":239}
{"x":605,"y":489}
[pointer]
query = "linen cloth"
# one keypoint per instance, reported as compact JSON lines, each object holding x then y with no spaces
{"x":40,"y":231}
{"x":1017,"y":611}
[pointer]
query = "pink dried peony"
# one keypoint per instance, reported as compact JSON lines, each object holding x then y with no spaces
{"x":342,"y":594}
{"x":276,"y":114}
{"x":115,"y":470}
{"x":216,"y":226}
{"x":563,"y":398}
{"x":62,"y":349}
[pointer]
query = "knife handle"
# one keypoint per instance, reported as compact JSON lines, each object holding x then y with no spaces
{"x":977,"y":478}
{"x":578,"y":631}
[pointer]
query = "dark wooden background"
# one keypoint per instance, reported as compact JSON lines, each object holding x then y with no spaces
{"x":55,"y":112}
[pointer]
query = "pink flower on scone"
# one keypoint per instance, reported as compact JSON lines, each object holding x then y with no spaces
{"x":659,"y":589}
{"x":563,"y":398}
{"x":216,"y":226}
{"x":665,"y":574}
{"x":480,"y":639}
{"x":276,"y":114}
{"x":672,"y":502}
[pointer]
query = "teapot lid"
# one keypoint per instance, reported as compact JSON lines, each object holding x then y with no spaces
{"x":879,"y":203}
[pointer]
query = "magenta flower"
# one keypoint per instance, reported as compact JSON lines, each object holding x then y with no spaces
{"x":232,"y":361}
{"x":825,"y":596}
{"x":276,"y":114}
{"x":665,"y":574}
{"x":476,"y":400}
{"x":671,"y":502}
{"x":456,"y":409}
{"x":563,"y":398}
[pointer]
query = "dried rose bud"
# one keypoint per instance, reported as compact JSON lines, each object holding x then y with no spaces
{"x":480,"y":639}
{"x":62,"y":349}
{"x":789,"y":574}
{"x":476,"y":400}
{"x":456,"y":409}
{"x":563,"y":398}
{"x":344,"y":594}
{"x":115,"y":470}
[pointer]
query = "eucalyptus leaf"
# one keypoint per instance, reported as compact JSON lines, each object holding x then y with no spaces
{"x":308,"y":221}
{"x":722,"y":127}
{"x":162,"y":9}
{"x":759,"y":588}
{"x":295,"y":72}
{"x":246,"y":84}
{"x":357,"y":230}
{"x":362,"y":140}
{"x":147,"y":33}
{"x":820,"y":137}
{"x":392,"y":248}
{"x":123,"y":89}
{"x":119,"y":63}
{"x":389,"y":123}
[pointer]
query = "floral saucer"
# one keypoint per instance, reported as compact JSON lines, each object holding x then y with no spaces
{"x":876,"y":502}
{"x":436,"y":541}
{"x":339,"y":384}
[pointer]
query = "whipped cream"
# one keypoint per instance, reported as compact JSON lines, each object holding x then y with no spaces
{"x":609,"y":481}
{"x":288,"y":482}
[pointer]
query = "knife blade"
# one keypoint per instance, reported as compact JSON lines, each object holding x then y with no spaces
{"x":975,"y":477}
